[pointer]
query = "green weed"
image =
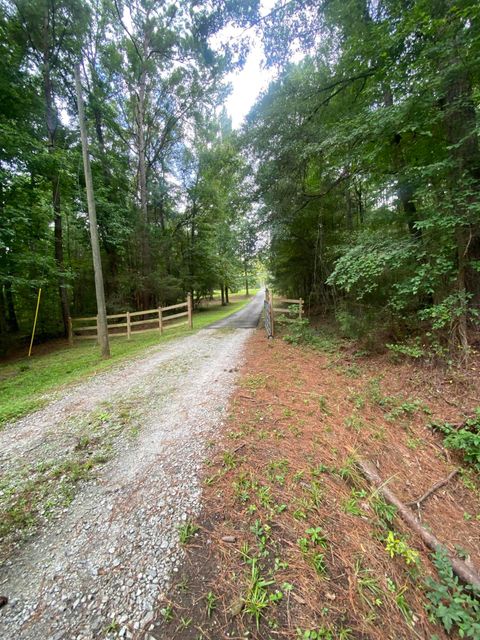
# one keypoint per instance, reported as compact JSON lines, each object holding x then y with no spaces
{"x":466,"y":439}
{"x":355,"y":423}
{"x":186,"y":531}
{"x":256,"y":598}
{"x":211,"y":603}
{"x":255,"y":381}
{"x":455,"y":606}
{"x":167,"y":613}
{"x":350,"y":505}
{"x":395,"y":546}
{"x":368,"y":587}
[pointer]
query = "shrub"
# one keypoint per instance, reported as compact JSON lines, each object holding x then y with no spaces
{"x":455,"y":606}
{"x":466,"y":439}
{"x":300,"y":333}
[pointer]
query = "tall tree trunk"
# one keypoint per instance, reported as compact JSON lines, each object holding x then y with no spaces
{"x":222,"y":291}
{"x":142,"y":183}
{"x":102,"y":323}
{"x":11,"y":314}
{"x":405,"y":189}
{"x":142,"y":162}
{"x":4,"y":338}
{"x":3,"y":312}
{"x":51,"y":118}
{"x":191,"y":261}
{"x":226,"y":294}
{"x":460,"y":122}
{"x":58,"y":235}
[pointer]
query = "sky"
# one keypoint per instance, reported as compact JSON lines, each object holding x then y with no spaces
{"x":248,"y":83}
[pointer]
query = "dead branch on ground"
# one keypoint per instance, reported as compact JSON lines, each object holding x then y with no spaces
{"x":465,"y":572}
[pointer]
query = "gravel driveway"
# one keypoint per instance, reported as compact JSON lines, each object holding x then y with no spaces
{"x":98,"y":568}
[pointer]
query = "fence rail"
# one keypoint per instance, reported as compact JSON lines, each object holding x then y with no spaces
{"x":161,"y":320}
{"x":270,"y":310}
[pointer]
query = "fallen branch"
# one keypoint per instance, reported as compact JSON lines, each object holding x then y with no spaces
{"x":240,"y":446}
{"x":437,"y":485}
{"x":462,"y":569}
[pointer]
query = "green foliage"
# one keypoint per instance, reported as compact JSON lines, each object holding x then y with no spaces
{"x":183,"y":224}
{"x":299,"y":333}
{"x":395,"y":546}
{"x":309,"y":544}
{"x":372,"y":183}
{"x":414,"y":350}
{"x":465,"y":439}
{"x":455,"y":606}
{"x":327,"y":632}
{"x":211,"y":603}
{"x":186,"y":531}
{"x":257,"y":598}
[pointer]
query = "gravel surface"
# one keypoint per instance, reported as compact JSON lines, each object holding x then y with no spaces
{"x":246,"y":318}
{"x":99,"y":567}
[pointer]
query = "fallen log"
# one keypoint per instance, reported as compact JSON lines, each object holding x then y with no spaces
{"x":465,"y":572}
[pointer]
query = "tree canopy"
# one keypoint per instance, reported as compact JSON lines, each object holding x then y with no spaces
{"x":368,"y":162}
{"x":166,"y":168}
{"x":359,"y":164}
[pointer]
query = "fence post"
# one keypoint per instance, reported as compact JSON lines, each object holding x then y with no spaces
{"x":190,"y":310}
{"x":70,"y":331}
{"x":271,"y":314}
{"x":160,"y":320}
{"x":129,"y":328}
{"x":300,"y":308}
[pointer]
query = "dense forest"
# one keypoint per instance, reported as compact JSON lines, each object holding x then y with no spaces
{"x":360,"y":164}
{"x":369,"y":165}
{"x":172,"y":212}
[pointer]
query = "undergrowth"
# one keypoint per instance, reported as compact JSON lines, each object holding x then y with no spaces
{"x":298,"y":332}
{"x":455,"y":606}
{"x":465,"y":439}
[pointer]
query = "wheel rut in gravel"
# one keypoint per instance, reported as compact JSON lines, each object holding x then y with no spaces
{"x":98,"y":568}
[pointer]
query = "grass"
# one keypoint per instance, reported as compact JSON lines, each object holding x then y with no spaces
{"x":25,"y":382}
{"x":186,"y":531}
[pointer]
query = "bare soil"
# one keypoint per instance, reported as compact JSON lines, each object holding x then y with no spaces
{"x":285,"y":467}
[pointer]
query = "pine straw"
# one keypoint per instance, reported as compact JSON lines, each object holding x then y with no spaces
{"x":294,"y":405}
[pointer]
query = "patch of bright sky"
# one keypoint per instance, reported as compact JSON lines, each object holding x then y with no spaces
{"x":254,"y":78}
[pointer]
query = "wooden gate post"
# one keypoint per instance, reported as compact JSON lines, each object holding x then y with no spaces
{"x":271,"y":315}
{"x":300,"y":308}
{"x":190,"y":310}
{"x":70,"y":331}
{"x":160,"y":320}
{"x":129,"y":328}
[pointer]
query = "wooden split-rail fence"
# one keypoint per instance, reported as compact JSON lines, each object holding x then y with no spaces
{"x":272,"y":305}
{"x":129,"y":323}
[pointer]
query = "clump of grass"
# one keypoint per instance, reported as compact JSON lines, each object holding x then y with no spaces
{"x":186,"y":531}
{"x":255,"y":381}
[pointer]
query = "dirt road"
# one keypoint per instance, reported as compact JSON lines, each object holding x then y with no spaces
{"x":99,"y":566}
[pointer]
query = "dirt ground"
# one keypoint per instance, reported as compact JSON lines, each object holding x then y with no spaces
{"x":292,"y":540}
